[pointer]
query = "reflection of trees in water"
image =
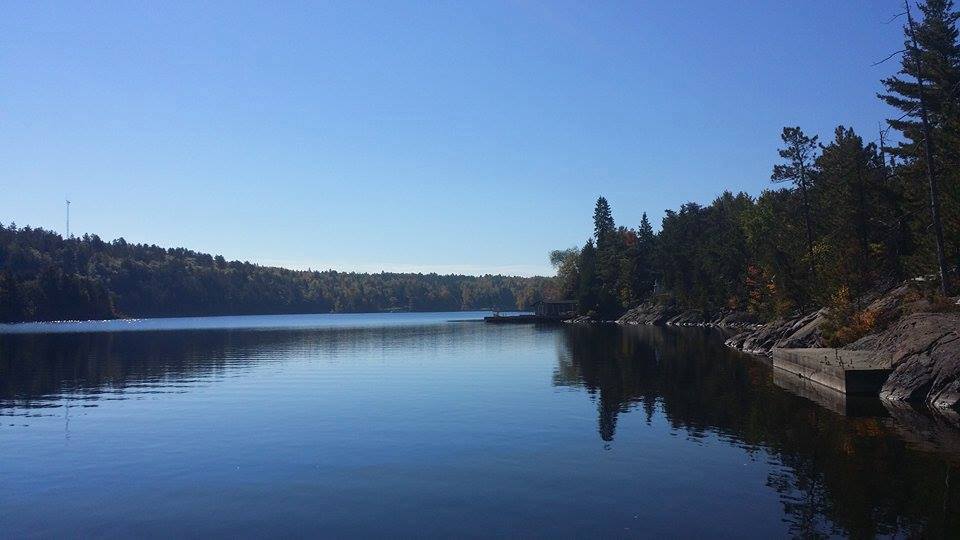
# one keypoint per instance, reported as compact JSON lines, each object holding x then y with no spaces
{"x":592,"y":360}
{"x":839,"y":475}
{"x":36,"y":369}
{"x":848,"y":475}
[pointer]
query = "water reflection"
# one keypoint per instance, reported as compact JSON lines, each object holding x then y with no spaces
{"x":846,"y":466}
{"x":428,"y":416}
{"x":36,"y":370}
{"x":39,"y":371}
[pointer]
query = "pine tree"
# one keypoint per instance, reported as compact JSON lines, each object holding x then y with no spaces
{"x":645,"y":268}
{"x":11,"y":308}
{"x":645,"y":231}
{"x":936,"y":60}
{"x":587,"y":287}
{"x":849,"y":205}
{"x":800,"y":152}
{"x":926,"y":90}
{"x":603,"y":225}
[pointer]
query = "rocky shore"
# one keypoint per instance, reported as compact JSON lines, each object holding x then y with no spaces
{"x":922,"y":339}
{"x":751,"y":335}
{"x":667,"y":315}
{"x":925,"y":348}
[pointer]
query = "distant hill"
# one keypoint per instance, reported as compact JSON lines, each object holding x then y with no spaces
{"x":45,"y":277}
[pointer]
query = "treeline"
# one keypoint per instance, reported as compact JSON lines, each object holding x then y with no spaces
{"x":46,"y":277}
{"x":851,"y":214}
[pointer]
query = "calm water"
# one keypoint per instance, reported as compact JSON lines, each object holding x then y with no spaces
{"x":409,"y":425}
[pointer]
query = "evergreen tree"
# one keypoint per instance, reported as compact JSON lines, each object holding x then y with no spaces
{"x":603,"y":225}
{"x":800,"y":152}
{"x":645,"y":231}
{"x":11,"y":303}
{"x":627,"y":293}
{"x":927,"y":90}
{"x":849,"y":203}
{"x":609,"y":255}
{"x":935,"y":60}
{"x":645,"y":273}
{"x":587,"y":287}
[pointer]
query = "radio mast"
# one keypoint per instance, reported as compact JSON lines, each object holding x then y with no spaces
{"x":68,"y":218}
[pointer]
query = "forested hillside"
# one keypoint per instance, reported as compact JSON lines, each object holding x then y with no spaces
{"x":850,"y":215}
{"x":46,"y":277}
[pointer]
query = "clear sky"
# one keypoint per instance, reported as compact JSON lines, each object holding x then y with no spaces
{"x":464,"y":137}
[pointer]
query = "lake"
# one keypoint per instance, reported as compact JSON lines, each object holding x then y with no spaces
{"x":423,"y":425}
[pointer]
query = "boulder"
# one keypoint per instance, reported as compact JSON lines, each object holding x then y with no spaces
{"x":582,"y":319}
{"x":649,"y":313}
{"x":925,"y":348}
{"x":804,"y":332}
{"x":669,"y":315}
{"x":796,"y":332}
{"x":687,"y":318}
{"x":737,"y":319}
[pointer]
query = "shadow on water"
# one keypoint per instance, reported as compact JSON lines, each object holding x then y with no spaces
{"x":849,"y":466}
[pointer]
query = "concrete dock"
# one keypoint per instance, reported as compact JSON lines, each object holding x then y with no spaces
{"x":850,"y":372}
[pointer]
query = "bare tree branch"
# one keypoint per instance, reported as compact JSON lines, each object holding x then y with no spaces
{"x":895,"y":17}
{"x":889,"y":57}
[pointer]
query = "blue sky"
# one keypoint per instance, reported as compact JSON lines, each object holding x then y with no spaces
{"x":416,"y":136}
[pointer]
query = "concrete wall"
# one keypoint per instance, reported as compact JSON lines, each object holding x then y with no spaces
{"x":850,"y":372}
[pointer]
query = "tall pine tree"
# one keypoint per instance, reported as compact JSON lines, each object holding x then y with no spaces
{"x":849,"y":205}
{"x":927,"y":90}
{"x":587,"y":286}
{"x":646,"y":275}
{"x":603,"y":225}
{"x":800,"y":152}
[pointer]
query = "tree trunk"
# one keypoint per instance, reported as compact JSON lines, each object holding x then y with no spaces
{"x":931,"y":172}
{"x":806,"y":219}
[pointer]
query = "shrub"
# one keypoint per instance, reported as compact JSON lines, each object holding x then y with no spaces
{"x":846,"y":324}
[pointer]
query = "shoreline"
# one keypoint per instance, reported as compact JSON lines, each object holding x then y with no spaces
{"x":919,"y":342}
